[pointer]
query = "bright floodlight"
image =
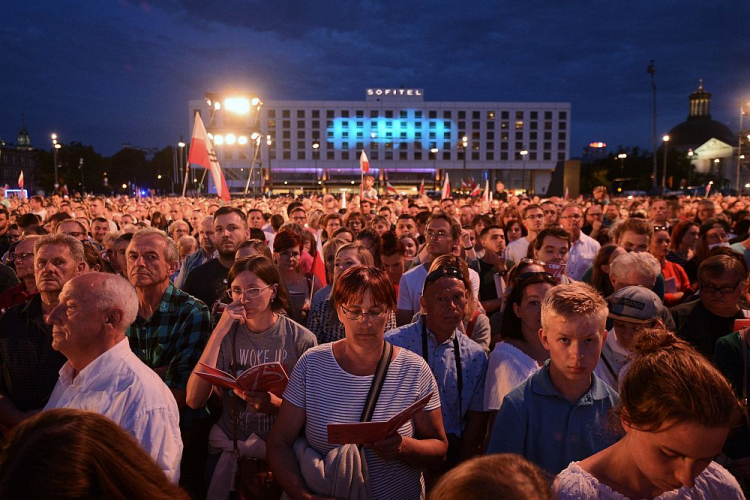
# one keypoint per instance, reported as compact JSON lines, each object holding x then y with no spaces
{"x":622,"y":156}
{"x":54,"y":137}
{"x":254,"y":136}
{"x":57,"y":146}
{"x":524,"y":152}
{"x":218,"y":139}
{"x":217,"y":105}
{"x":239,"y":105}
{"x":242,"y":140}
{"x":716,"y":160}
{"x":211,"y":136}
{"x":124,"y":186}
{"x":230,"y":139}
{"x":665,"y":138}
{"x":434,"y":150}
{"x":181,"y":144}
{"x":255,"y":101}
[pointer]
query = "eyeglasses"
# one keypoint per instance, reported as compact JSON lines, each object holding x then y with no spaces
{"x":75,"y":234}
{"x":248,"y":293}
{"x":660,"y":228}
{"x":524,"y":276}
{"x":442,"y":272}
{"x":437,"y":234}
{"x":724,"y":290}
{"x":574,"y":217}
{"x":289,"y":256}
{"x":358,"y":315}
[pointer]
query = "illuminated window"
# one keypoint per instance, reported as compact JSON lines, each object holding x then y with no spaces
{"x":519,"y":125}
{"x":504,"y":125}
{"x":271,"y":123}
{"x":504,"y":144}
{"x":490,"y":115}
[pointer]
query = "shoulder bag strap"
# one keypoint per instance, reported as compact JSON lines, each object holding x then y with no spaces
{"x":744,"y":346}
{"x":377,"y":382}
{"x":232,"y":397}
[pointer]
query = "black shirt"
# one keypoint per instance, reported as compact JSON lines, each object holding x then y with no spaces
{"x":207,"y":282}
{"x":487,"y":288}
{"x":695,"y":324}
{"x":28,"y":363}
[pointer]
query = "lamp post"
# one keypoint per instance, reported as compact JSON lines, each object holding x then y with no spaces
{"x":739,"y":146}
{"x":80,"y":167}
{"x":55,"y":146}
{"x":464,"y":144}
{"x":622,"y":157}
{"x":664,"y":169}
{"x":269,"y":174}
{"x":523,"y":154}
{"x":690,"y":154}
{"x":651,"y":70}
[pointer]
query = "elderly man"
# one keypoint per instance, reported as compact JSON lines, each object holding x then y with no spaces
{"x":103,"y":375}
{"x":721,"y":283}
{"x":206,"y":252}
{"x":458,"y":363}
{"x":583,"y":248}
{"x":28,"y":363}
{"x":171,"y":328}
{"x":23,"y":259}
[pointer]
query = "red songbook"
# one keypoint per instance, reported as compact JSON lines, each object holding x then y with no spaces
{"x":266,"y":377}
{"x":739,"y":324}
{"x":369,"y":432}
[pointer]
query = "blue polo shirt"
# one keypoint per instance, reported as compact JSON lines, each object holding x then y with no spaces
{"x":536,"y":421}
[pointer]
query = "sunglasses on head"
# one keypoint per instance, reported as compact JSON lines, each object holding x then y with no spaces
{"x":442,"y":272}
{"x":524,"y":276}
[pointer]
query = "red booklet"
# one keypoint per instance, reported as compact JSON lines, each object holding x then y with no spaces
{"x":739,"y":324}
{"x":369,"y":432}
{"x":266,"y":377}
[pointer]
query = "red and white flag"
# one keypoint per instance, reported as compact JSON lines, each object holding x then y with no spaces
{"x":567,"y":194}
{"x":20,"y":180}
{"x":389,"y":188}
{"x":421,"y":188}
{"x":487,"y":197}
{"x":476,"y":189}
{"x":446,"y":188}
{"x":203,"y":155}
{"x":364,"y":163}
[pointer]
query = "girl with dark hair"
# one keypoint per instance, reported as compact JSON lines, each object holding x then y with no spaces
{"x":684,"y":240}
{"x":520,"y":353}
{"x":252,"y":330}
{"x":330,"y":384}
{"x":513,"y":230}
{"x":677,"y":410}
{"x":74,"y":454}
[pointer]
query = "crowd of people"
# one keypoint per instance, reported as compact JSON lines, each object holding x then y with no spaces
{"x":538,"y":347}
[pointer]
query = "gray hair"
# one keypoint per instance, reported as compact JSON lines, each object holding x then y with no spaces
{"x":115,"y":292}
{"x":642,"y":263}
{"x":75,"y":246}
{"x":171,"y":252}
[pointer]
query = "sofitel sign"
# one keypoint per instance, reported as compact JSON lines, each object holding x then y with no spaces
{"x":394,"y":92}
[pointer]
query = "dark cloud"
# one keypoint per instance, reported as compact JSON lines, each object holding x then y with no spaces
{"x":111,"y":72}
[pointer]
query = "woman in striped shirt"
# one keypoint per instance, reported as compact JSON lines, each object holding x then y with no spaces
{"x":330,"y":384}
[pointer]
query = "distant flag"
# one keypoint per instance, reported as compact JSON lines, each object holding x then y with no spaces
{"x":567,"y":194}
{"x":683,"y":183}
{"x":389,"y":188}
{"x":343,"y":201}
{"x":670,"y":181}
{"x":364,"y":163}
{"x":20,"y":180}
{"x":487,"y":197}
{"x":708,"y":187}
{"x":476,"y":189}
{"x":446,"y":188}
{"x":464,"y":185}
{"x":421,"y":188}
{"x":318,"y":267}
{"x":203,"y":155}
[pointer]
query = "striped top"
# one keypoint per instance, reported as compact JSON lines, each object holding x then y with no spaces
{"x":328,"y":394}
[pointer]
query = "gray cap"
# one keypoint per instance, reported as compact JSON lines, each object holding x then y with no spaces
{"x":634,"y":304}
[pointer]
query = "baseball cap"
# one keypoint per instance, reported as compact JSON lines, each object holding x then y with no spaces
{"x":634,"y":304}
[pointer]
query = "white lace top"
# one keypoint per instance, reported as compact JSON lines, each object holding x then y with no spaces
{"x":714,"y":483}
{"x":508,"y":366}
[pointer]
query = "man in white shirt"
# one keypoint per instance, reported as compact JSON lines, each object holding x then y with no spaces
{"x":103,"y":375}
{"x":583,"y":248}
{"x":533,"y":220}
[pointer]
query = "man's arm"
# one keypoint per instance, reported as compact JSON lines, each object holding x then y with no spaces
{"x":193,"y":334}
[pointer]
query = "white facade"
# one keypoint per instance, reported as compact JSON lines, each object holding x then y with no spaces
{"x":399,"y":131}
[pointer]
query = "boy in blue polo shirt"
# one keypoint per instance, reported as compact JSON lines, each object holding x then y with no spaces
{"x":559,"y":414}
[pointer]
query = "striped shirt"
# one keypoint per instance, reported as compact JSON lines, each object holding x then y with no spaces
{"x":328,"y":394}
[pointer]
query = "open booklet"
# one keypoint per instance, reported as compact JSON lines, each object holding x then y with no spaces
{"x":369,"y":432}
{"x":266,"y":377}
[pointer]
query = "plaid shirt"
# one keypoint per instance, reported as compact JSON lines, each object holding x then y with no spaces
{"x":174,"y":336}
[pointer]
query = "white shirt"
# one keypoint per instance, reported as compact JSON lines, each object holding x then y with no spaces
{"x":517,"y":250}
{"x":411,"y":284}
{"x":581,"y":256}
{"x":119,"y":386}
{"x":613,"y":360}
{"x":508,"y":367}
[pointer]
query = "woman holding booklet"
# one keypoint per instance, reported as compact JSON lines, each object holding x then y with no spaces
{"x":359,"y":378}
{"x":251,"y":332}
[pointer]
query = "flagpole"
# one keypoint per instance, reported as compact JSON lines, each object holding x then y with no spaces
{"x":185,"y":181}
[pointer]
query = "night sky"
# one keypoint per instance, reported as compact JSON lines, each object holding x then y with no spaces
{"x":108,"y":72}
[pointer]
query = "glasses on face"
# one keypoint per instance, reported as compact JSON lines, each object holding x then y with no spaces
{"x":289,"y":255}
{"x":724,"y":290}
{"x":437,"y":234}
{"x":248,"y":293}
{"x":17,"y":257}
{"x":573,"y":216}
{"x":358,"y":315}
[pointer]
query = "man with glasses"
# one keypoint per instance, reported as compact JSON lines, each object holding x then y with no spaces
{"x":442,"y":234}
{"x":23,"y":258}
{"x":533,"y":220}
{"x":168,"y":335}
{"x":721,"y":284}
{"x":458,"y":363}
{"x":74,"y":228}
{"x":583,"y":248}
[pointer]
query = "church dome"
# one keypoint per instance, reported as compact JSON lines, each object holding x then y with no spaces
{"x":699,"y":127}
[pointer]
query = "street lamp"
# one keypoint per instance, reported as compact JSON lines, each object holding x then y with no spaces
{"x":690,"y":154}
{"x":316,"y":154}
{"x":55,"y":146}
{"x":622,"y":157}
{"x":464,"y":144}
{"x":523,"y":154}
{"x":269,"y":142}
{"x":664,"y":170}
{"x":80,"y":167}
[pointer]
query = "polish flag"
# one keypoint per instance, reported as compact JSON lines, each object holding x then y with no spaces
{"x":364,"y":163}
{"x":487,"y":197}
{"x":202,"y":154}
{"x":476,"y":189}
{"x":446,"y":188}
{"x":20,"y":180}
{"x":389,"y":188}
{"x":421,"y":188}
